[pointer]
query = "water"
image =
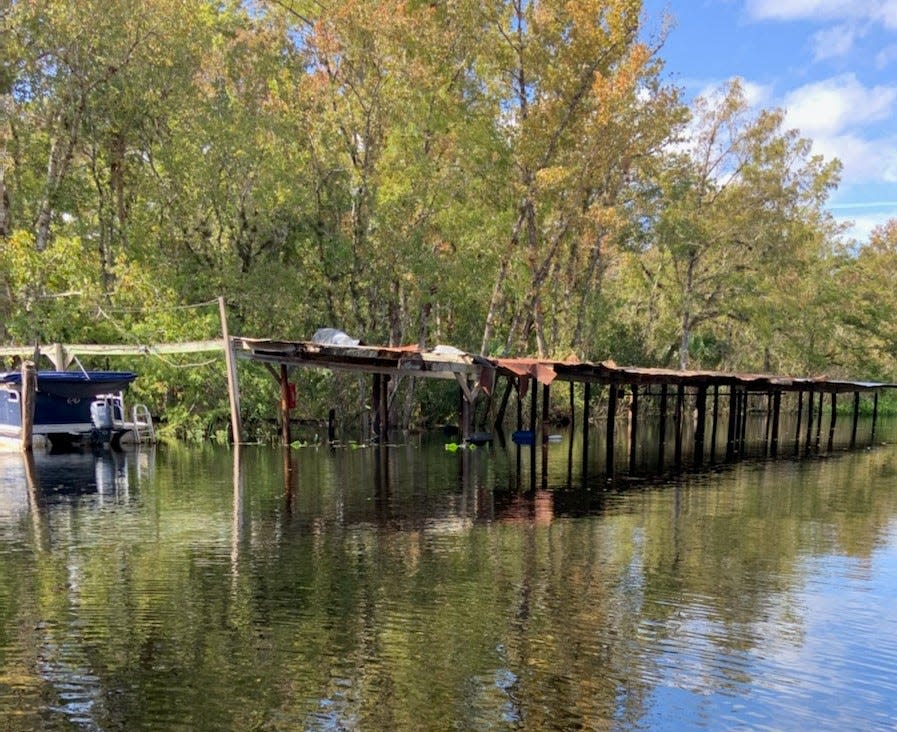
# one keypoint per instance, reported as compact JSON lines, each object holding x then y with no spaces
{"x":420,"y":589}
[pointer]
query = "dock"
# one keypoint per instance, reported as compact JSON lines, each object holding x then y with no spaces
{"x":670,"y":396}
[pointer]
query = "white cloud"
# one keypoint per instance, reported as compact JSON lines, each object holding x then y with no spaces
{"x":882,"y":11}
{"x":831,"y":106}
{"x":860,"y":227}
{"x":886,"y":56}
{"x":835,"y":42}
{"x":755,"y":95}
{"x":864,"y":160}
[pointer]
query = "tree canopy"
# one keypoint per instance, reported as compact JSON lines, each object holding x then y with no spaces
{"x":503,"y":175}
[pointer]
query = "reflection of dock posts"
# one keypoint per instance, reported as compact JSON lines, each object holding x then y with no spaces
{"x":856,"y":418}
{"x":35,"y":499}
{"x":662,"y":436}
{"x":831,"y":424}
{"x":611,"y":428}
{"x":733,"y":419}
{"x":237,"y":520}
{"x":289,"y":481}
{"x":701,"y":416}
{"x":29,"y":389}
{"x":800,"y":414}
{"x":874,"y":417}
{"x":633,"y":427}
{"x":680,"y":404}
{"x":285,"y":435}
{"x":776,"y":414}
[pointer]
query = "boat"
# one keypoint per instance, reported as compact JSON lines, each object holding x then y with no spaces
{"x":73,"y":409}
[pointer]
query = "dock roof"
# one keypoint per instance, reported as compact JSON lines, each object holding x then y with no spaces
{"x":448,"y":362}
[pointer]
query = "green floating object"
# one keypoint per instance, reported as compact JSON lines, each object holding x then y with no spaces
{"x":451,"y":446}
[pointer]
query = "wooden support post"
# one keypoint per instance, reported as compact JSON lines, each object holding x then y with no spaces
{"x":375,"y":407}
{"x":633,"y":427}
{"x":811,"y":398}
{"x":586,"y":398}
{"x":233,"y":386}
{"x":662,"y":432}
{"x":533,"y":407}
{"x":819,"y":420}
{"x":701,"y":419}
{"x":28,"y":396}
{"x":874,"y":418}
{"x":733,"y":421}
{"x":680,"y":404}
{"x":533,"y":411}
{"x":519,"y":381}
{"x":800,"y":414}
{"x":58,"y":357}
{"x":768,"y":426}
{"x":856,"y":418}
{"x":384,"y":409}
{"x":776,"y":413}
{"x":742,"y":431}
{"x":546,"y":402}
{"x":715,"y":422}
{"x":503,"y":404}
{"x":831,"y":424}
{"x":285,"y":435}
{"x":611,"y":428}
{"x":572,"y":409}
{"x":331,"y":429}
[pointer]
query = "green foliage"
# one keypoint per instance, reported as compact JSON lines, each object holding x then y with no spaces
{"x":505,"y":177}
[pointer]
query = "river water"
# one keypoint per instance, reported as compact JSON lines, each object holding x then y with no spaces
{"x":413,"y":588}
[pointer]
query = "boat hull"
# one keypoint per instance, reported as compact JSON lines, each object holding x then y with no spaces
{"x":69,"y":409}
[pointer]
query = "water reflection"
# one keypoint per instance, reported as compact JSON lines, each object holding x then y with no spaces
{"x":412,"y":588}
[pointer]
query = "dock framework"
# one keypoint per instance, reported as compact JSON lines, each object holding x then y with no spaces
{"x":704,"y":401}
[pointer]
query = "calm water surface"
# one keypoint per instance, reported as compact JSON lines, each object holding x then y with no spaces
{"x":416,"y":588}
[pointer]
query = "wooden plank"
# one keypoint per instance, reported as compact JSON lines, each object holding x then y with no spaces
{"x":285,"y":406}
{"x":29,"y":389}
{"x":701,"y":417}
{"x":611,"y":428}
{"x":233,"y":386}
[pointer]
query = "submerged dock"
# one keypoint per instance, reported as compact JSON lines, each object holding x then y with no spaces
{"x":693,"y":406}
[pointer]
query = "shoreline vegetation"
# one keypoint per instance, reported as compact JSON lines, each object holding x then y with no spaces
{"x":517,"y":178}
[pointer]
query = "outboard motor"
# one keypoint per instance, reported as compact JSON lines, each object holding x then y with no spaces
{"x":101,"y":414}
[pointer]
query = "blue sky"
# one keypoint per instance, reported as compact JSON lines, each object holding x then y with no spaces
{"x":831,"y":64}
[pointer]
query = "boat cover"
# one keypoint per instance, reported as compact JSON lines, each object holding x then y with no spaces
{"x":73,"y":384}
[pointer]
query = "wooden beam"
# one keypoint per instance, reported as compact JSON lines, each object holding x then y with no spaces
{"x":662,"y":436}
{"x":680,"y":404}
{"x":633,"y":427}
{"x":233,"y":386}
{"x":831,"y":424}
{"x":701,"y":417}
{"x":28,"y":396}
{"x":874,"y":417}
{"x":776,"y":414}
{"x":285,"y":435}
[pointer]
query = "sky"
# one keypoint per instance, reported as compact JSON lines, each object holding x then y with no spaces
{"x":830,"y":64}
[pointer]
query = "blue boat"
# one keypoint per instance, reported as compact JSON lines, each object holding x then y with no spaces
{"x":71,"y":408}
